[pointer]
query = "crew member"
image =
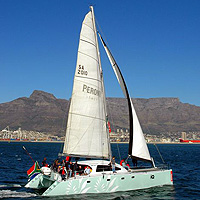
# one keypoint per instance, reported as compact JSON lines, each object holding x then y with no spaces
{"x":112,"y":162}
{"x":44,"y":163}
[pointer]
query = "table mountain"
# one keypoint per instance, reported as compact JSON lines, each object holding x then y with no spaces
{"x":44,"y":112}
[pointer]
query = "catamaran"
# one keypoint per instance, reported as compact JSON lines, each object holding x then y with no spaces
{"x":87,"y":134}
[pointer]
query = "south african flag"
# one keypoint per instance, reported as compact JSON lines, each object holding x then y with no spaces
{"x":33,"y":171}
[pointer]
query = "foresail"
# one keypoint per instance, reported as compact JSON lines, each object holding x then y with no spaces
{"x":86,"y":133}
{"x":137,"y":145}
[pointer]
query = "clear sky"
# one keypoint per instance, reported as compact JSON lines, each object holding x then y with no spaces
{"x":155,"y":42}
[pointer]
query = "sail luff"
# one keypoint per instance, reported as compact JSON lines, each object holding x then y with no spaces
{"x":137,"y":143}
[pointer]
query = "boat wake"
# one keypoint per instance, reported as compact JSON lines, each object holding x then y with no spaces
{"x":14,"y":194}
{"x":10,"y":186}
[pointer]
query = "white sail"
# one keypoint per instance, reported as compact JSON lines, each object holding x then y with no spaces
{"x":86,"y":133}
{"x":137,"y":146}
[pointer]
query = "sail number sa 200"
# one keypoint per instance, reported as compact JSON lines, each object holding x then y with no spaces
{"x":82,"y":71}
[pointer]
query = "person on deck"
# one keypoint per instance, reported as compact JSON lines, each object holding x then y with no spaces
{"x":80,"y":170}
{"x":63,"y":163}
{"x":134,"y":161}
{"x":44,"y":163}
{"x":75,"y":168}
{"x":55,"y":165}
{"x":63,"y":173}
{"x":70,"y":167}
{"x":112,"y":162}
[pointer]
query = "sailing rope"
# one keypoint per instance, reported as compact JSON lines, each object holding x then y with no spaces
{"x":64,"y":125}
{"x":119,"y":151}
{"x":101,"y":31}
{"x":159,"y":153}
{"x":112,"y":127}
{"x":156,"y":147}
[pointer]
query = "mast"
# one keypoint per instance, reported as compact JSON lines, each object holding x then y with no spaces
{"x":101,"y":71}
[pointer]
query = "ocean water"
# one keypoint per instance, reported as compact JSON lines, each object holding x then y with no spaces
{"x":184,"y":159}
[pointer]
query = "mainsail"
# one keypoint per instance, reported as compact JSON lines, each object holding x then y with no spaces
{"x":86,"y":134}
{"x":137,"y":145}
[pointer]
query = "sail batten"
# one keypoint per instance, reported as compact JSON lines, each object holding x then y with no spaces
{"x":88,"y":78}
{"x":88,"y":42}
{"x":88,"y":56}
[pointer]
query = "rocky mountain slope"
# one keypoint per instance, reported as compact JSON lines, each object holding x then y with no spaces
{"x":44,"y":112}
{"x":158,"y":114}
{"x":40,"y":112}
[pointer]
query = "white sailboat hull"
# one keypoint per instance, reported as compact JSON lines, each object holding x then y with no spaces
{"x":109,"y":182}
{"x":43,"y":181}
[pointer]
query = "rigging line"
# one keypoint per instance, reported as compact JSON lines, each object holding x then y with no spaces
{"x":156,"y":147}
{"x":159,"y":153}
{"x":69,"y":122}
{"x":61,"y":147}
{"x":112,"y":122}
{"x":102,"y":33}
{"x":115,"y":131}
{"x":64,"y":121}
{"x":119,"y":151}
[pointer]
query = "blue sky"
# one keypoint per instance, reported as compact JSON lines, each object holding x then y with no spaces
{"x":155,"y":42}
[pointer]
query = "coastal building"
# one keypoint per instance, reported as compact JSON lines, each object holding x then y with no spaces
{"x":183,"y":135}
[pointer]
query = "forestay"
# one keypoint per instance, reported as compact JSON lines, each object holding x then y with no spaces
{"x":86,"y":134}
{"x":137,"y":145}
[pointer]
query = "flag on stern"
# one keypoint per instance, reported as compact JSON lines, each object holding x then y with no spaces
{"x":33,"y":171}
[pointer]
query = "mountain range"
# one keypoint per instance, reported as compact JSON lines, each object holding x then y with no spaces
{"x":43,"y":112}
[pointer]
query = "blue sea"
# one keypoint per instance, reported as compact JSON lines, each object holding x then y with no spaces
{"x":184,"y":159}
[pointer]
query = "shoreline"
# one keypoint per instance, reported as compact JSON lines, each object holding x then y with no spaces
{"x":10,"y":141}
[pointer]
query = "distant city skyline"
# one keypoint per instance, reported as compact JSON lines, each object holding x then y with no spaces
{"x":156,"y":44}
